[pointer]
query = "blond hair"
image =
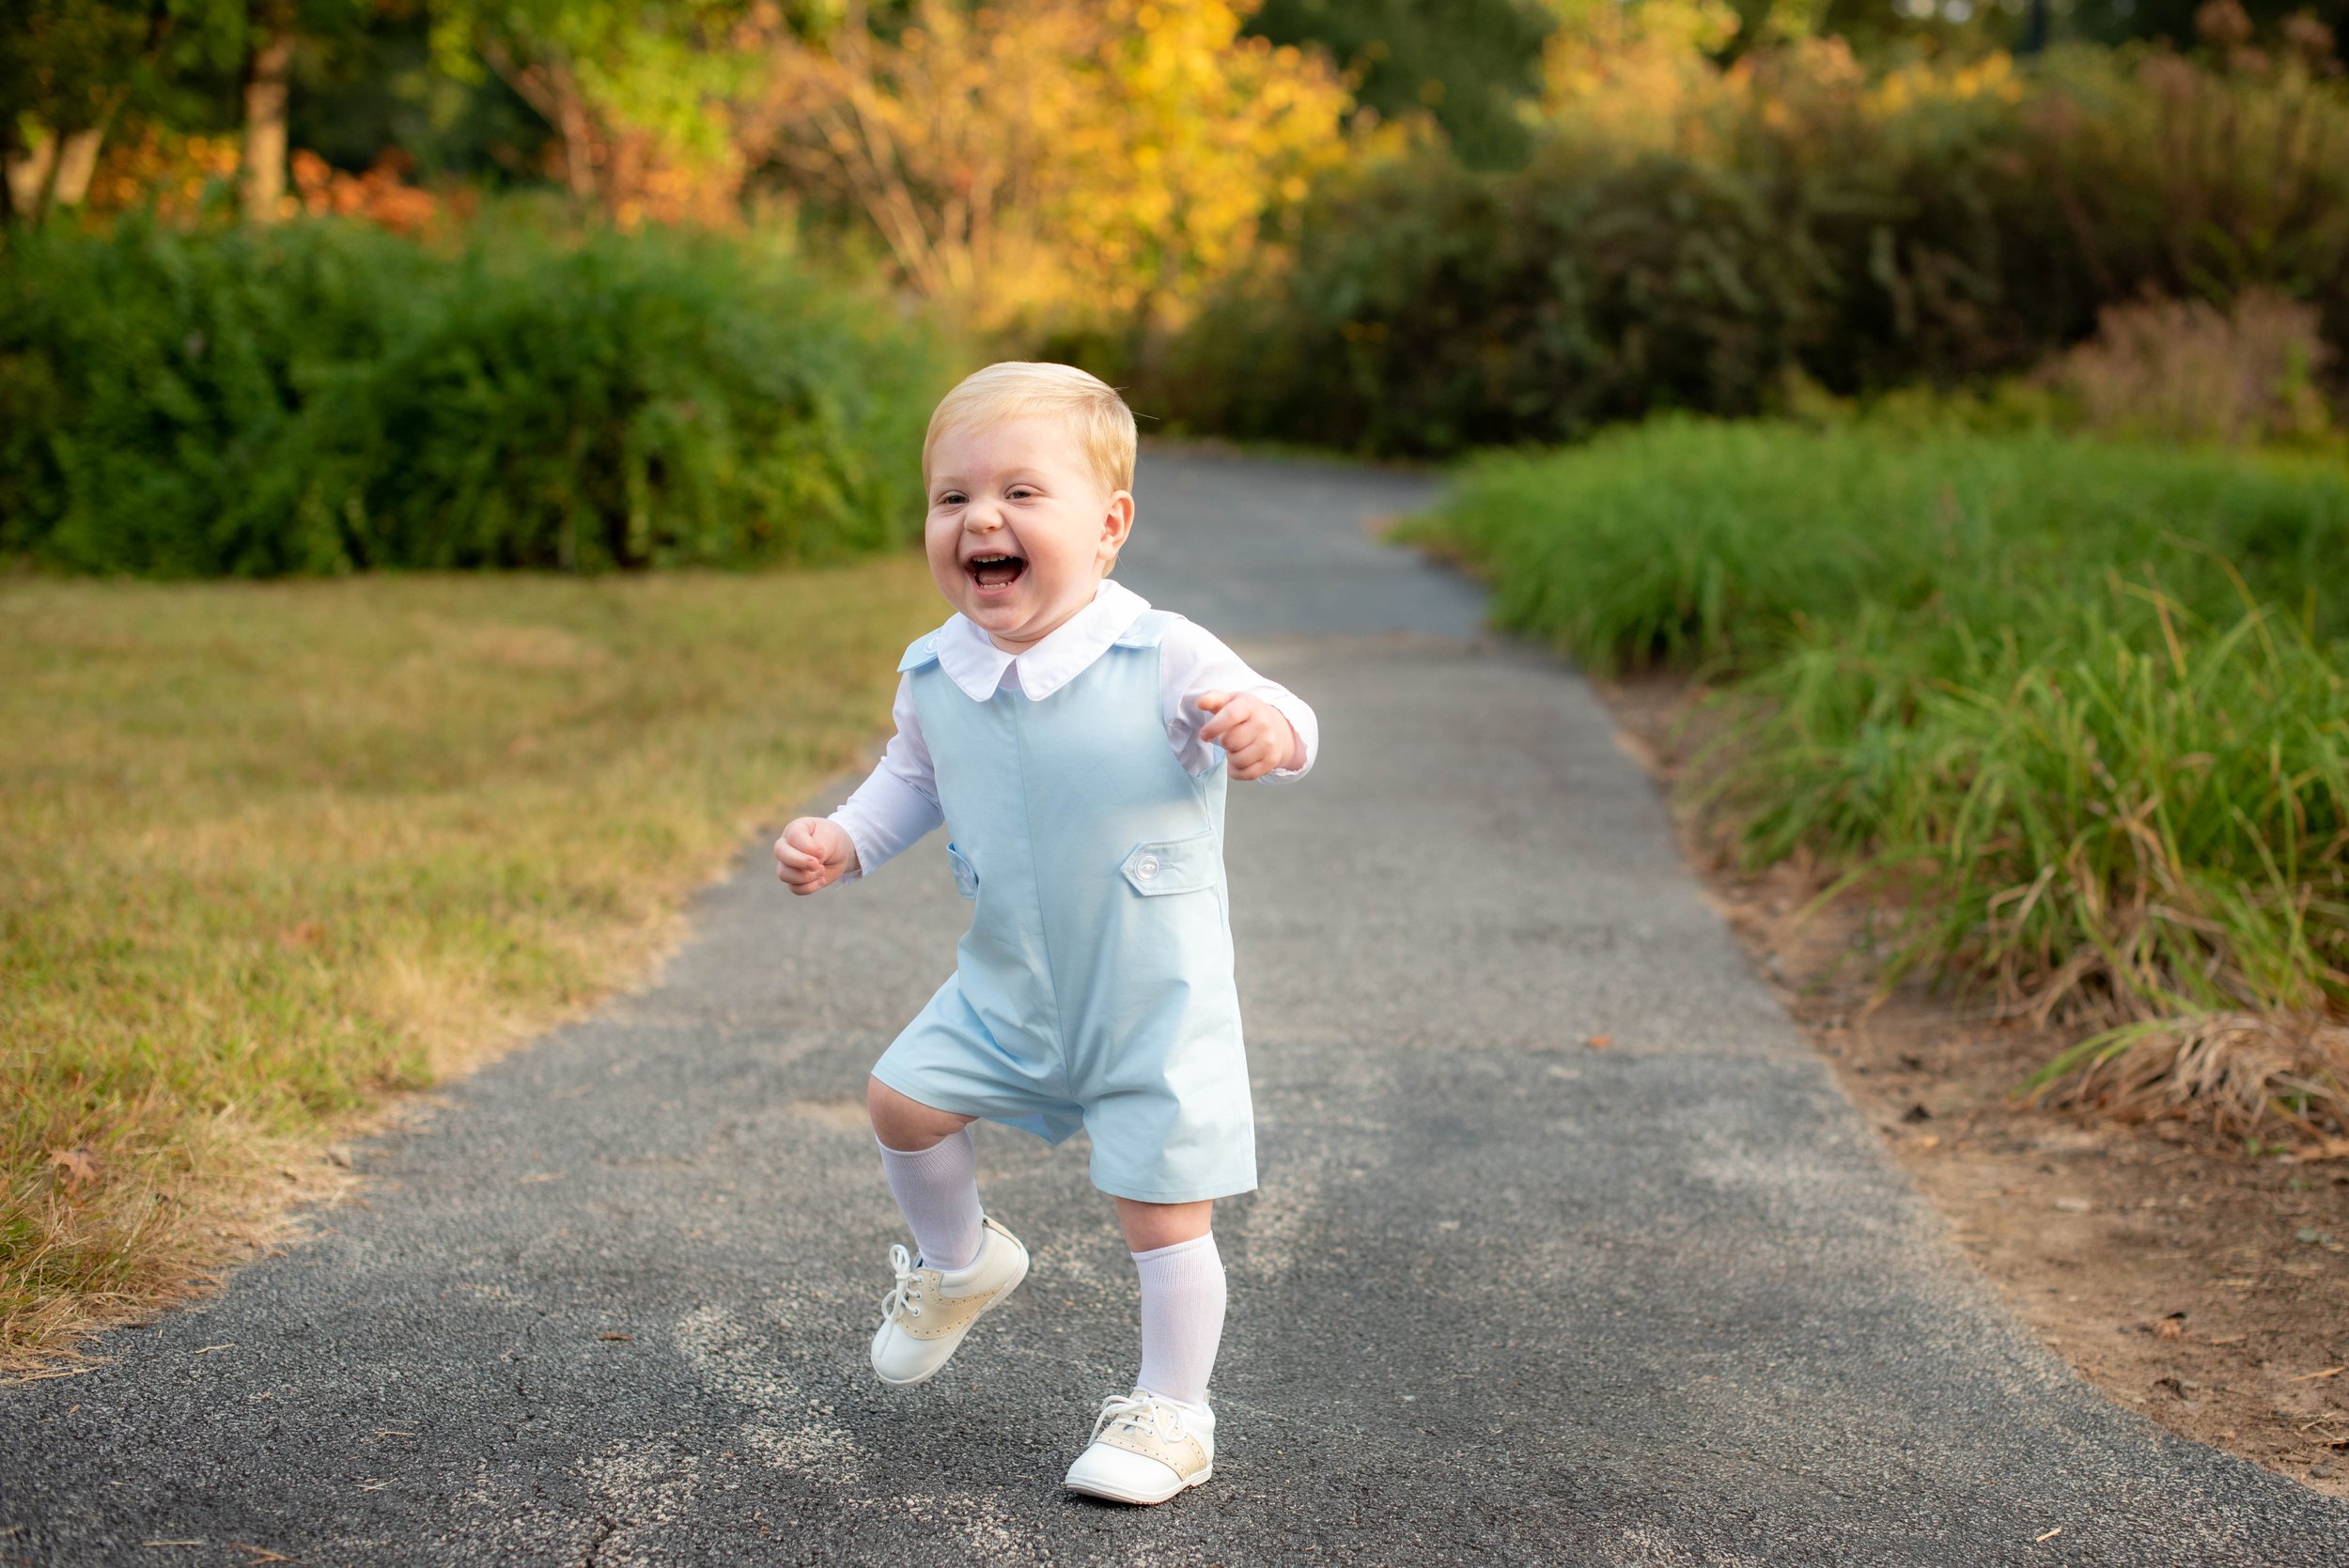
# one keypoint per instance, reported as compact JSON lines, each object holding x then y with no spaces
{"x":1025,"y":389}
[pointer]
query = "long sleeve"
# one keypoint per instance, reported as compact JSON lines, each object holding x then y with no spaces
{"x":1194,"y":661}
{"x":897,"y":803}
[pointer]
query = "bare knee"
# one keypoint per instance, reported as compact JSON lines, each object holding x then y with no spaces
{"x":1151,"y":1226}
{"x":905,"y":1123}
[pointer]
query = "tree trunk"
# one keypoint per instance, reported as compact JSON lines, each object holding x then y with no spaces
{"x":576,"y":125}
{"x":551,"y":88}
{"x":263,"y":177}
{"x":30,"y":172}
{"x":76,"y":164}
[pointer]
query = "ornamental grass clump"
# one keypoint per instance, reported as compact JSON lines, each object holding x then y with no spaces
{"x":2083,"y":708}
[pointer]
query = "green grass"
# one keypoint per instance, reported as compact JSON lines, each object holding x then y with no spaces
{"x":269,"y":853}
{"x":2086,"y":706}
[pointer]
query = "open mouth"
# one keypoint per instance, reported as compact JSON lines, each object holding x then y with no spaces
{"x":995,"y":571}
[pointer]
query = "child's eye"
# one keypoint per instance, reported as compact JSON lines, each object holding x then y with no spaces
{"x":952,"y":498}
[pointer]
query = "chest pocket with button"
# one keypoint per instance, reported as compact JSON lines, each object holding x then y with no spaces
{"x":1155,"y":868}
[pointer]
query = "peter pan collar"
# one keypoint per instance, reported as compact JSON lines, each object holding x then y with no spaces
{"x":976,"y":666}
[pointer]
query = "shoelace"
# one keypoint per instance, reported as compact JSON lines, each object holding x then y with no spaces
{"x":1135,"y":1408}
{"x":904,"y":1293}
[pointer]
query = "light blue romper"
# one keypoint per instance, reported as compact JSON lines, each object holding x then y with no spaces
{"x":1093,"y":987}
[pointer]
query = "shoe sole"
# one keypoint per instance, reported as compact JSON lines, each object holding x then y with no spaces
{"x":1001,"y":1297}
{"x":1177,"y":1490}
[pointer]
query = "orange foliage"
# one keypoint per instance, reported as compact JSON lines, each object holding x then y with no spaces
{"x":181,"y":178}
{"x":180,"y":175}
{"x":382,"y":195}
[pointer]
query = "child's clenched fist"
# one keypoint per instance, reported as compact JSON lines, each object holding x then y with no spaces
{"x":813,"y":853}
{"x":1256,"y":738}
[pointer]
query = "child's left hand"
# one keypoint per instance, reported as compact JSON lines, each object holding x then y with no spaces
{"x":1256,"y":737}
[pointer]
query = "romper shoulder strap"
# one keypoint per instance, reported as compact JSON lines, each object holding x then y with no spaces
{"x":1149,"y":628}
{"x":922,"y":650}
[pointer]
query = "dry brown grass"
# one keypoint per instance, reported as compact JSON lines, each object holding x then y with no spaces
{"x":2248,"y":1074}
{"x":272,"y":855}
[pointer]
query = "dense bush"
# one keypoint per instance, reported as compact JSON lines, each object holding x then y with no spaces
{"x":1792,"y":216}
{"x":323,"y":398}
{"x":2089,"y":704}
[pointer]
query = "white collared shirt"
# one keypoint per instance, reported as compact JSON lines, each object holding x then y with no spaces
{"x":899,"y":803}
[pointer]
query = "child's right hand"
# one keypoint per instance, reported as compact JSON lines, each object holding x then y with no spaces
{"x":813,"y":853}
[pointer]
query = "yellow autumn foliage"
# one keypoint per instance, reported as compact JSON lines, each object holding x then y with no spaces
{"x":1092,"y":165}
{"x":1644,"y":76}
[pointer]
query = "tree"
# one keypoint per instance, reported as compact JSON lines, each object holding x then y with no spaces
{"x":1470,"y":64}
{"x":1094,"y":161}
{"x":67,"y":70}
{"x":641,"y":94}
{"x":267,"y":85}
{"x":267,"y":34}
{"x":73,"y":67}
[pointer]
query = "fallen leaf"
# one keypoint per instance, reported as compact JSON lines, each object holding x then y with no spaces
{"x":2169,"y":1329}
{"x":1599,"y":1042}
{"x":78,"y":1166}
{"x":615,"y":1336}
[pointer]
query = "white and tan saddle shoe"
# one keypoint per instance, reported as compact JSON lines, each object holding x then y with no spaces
{"x":1145,"y":1449}
{"x":929,"y":1310}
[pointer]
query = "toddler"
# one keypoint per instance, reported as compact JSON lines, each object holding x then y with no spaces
{"x":1075,"y":742}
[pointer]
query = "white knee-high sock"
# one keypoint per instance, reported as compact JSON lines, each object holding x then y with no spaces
{"x":1182,"y":1319}
{"x":937,"y":1190}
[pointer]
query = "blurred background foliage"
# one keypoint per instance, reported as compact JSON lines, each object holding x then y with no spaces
{"x":696,"y":243}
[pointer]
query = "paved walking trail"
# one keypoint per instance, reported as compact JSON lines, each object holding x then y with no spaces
{"x":1502,"y":1297}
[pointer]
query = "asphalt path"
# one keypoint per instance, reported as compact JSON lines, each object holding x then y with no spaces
{"x":1502,"y":1297}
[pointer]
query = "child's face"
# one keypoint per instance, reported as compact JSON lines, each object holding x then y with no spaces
{"x":1020,"y":529}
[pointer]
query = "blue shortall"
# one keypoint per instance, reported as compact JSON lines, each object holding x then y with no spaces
{"x":1094,"y":988}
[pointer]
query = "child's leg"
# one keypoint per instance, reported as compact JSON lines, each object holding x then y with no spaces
{"x":1182,"y":1294}
{"x":933,"y":1174}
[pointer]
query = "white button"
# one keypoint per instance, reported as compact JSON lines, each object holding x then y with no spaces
{"x":1146,"y":867}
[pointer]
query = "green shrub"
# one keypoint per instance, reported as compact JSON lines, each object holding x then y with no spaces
{"x":1794,"y":218}
{"x":323,"y":398}
{"x":2090,"y":700}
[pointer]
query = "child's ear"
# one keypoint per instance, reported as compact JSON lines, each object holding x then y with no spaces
{"x":1116,"y":524}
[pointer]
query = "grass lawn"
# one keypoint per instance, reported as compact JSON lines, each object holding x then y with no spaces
{"x":272,"y":853}
{"x":2079,"y":710}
